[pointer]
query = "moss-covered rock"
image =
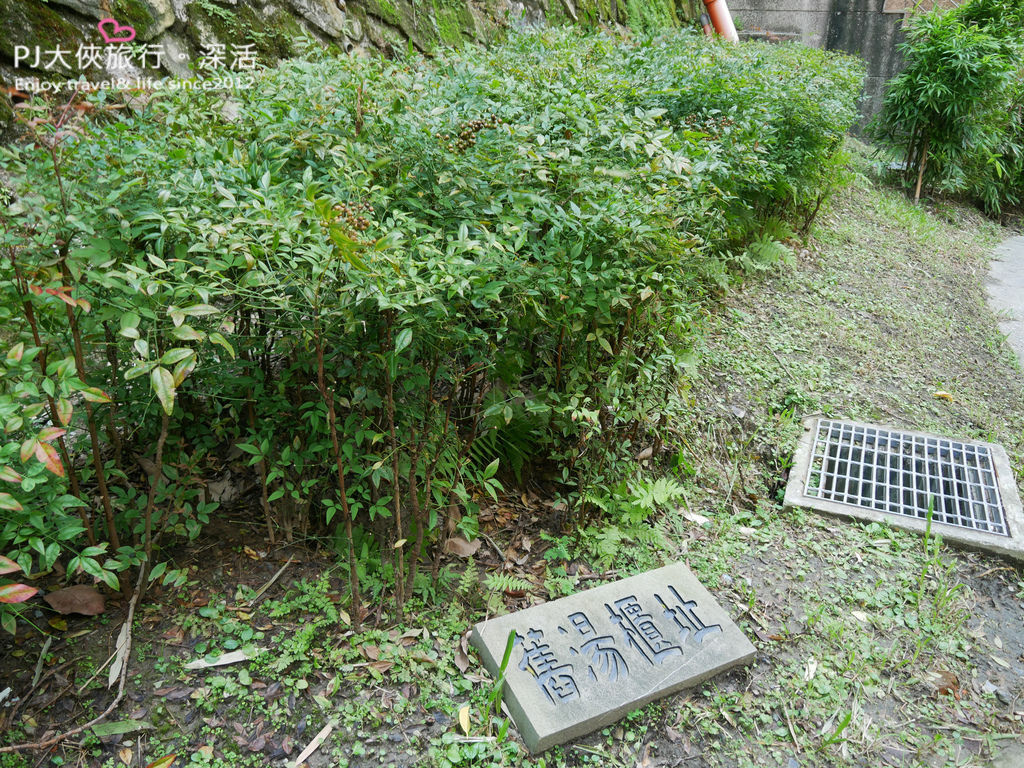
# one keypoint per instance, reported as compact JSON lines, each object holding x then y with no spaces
{"x":6,"y":113}
{"x":273,"y":34}
{"x":34,"y":23}
{"x":384,"y":10}
{"x":148,"y":17}
{"x":454,"y":21}
{"x":273,"y":26}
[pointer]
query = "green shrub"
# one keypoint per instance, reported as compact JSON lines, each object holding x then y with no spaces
{"x":388,"y":287}
{"x":955,"y":112}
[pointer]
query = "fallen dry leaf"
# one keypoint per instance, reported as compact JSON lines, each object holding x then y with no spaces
{"x":227,"y":658}
{"x":457,"y":545}
{"x":120,"y":657}
{"x":810,"y":669}
{"x":314,"y":745}
{"x":462,"y":654}
{"x":945,"y":682}
{"x":943,"y":396}
{"x":81,"y":599}
{"x":176,"y":634}
{"x":693,"y":517}
{"x":371,"y":652}
{"x":464,"y":719}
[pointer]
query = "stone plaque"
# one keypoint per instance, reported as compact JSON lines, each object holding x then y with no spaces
{"x":584,"y":661}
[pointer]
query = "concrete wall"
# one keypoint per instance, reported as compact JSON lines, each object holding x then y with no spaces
{"x":802,"y":20}
{"x":858,"y":27}
{"x":861,"y":28}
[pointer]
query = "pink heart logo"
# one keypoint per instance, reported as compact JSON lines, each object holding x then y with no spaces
{"x":118,"y":33}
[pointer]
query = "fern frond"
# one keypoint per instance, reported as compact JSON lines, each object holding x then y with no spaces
{"x":503,"y":582}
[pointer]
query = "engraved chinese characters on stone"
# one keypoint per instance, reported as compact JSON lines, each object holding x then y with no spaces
{"x":554,"y":678}
{"x":598,"y":651}
{"x":640,"y":631}
{"x":684,"y":611}
{"x":583,"y":661}
{"x":642,"y":638}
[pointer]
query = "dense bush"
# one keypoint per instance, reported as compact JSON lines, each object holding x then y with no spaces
{"x":955,"y":112}
{"x":378,"y":282}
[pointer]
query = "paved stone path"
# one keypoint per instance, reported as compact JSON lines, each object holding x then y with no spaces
{"x":1005,"y":286}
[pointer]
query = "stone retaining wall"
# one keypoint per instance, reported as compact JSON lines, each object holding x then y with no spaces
{"x":183,"y":29}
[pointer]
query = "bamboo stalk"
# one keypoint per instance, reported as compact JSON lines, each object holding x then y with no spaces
{"x":920,"y":170}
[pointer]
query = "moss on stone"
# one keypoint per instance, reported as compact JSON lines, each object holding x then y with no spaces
{"x":6,"y":113}
{"x":134,"y":14}
{"x":33,"y":23}
{"x":455,"y":22}
{"x":384,"y":10}
{"x":274,"y":37}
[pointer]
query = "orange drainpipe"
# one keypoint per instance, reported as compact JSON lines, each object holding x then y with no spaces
{"x":722,"y":19}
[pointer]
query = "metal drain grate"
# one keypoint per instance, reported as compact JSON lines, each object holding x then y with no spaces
{"x":903,"y":473}
{"x":885,"y":475}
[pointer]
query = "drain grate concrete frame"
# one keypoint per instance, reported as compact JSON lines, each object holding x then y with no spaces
{"x":884,"y":474}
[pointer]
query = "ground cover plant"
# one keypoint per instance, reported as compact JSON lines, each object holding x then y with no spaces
{"x":954,"y":114}
{"x":390,"y":289}
{"x":875,"y":647}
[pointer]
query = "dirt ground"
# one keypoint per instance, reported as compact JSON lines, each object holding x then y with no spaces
{"x":874,"y":648}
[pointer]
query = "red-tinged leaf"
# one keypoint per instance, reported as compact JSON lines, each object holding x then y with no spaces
{"x":14,"y":353}
{"x":84,"y":305}
{"x":48,"y":456}
{"x":16,"y":593}
{"x":49,"y":434}
{"x":60,"y":294}
{"x":36,"y":290}
{"x":64,"y":411}
{"x":9,"y":502}
{"x":8,"y":566}
{"x":95,"y":395}
{"x":163,"y":385}
{"x":164,"y":762}
{"x":28,"y":448}
{"x":8,"y":474}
